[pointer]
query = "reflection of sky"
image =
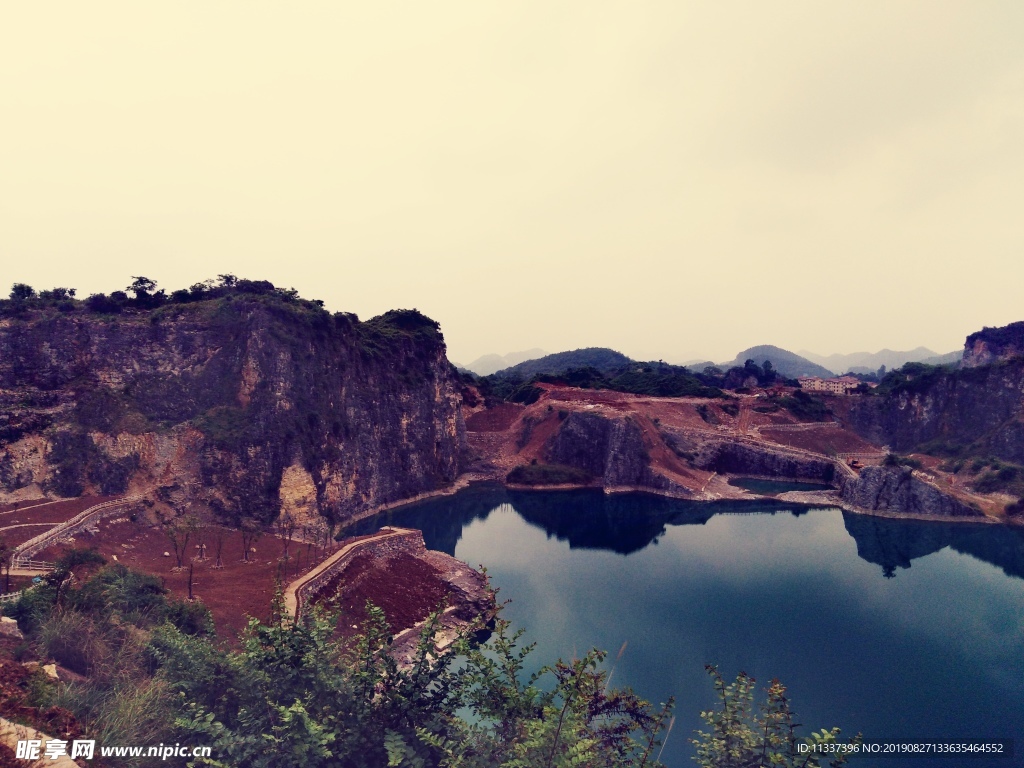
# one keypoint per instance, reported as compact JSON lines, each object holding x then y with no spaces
{"x":937,"y":651}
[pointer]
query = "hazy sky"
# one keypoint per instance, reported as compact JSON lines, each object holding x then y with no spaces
{"x":671,"y":179}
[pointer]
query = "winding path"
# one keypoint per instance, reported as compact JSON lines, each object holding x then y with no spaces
{"x":295,"y":594}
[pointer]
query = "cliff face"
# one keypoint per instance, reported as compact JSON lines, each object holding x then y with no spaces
{"x":746,"y":459}
{"x":983,"y":404}
{"x":246,"y":404}
{"x":992,"y":344}
{"x":612,"y":449}
{"x":618,"y":450}
{"x":895,"y":489}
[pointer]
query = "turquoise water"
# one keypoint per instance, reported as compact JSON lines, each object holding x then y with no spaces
{"x":897,"y":629}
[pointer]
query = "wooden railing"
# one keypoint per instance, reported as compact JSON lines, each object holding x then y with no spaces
{"x":23,"y":552}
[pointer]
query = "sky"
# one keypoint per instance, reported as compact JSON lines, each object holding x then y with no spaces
{"x":674,"y":180}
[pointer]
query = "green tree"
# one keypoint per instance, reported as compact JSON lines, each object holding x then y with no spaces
{"x":22,"y":292}
{"x":141,"y":287}
{"x":179,"y":530}
{"x":295,"y":695}
{"x":741,"y":736}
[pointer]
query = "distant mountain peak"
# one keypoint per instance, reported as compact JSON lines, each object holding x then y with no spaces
{"x":601,"y":358}
{"x":488,"y":364}
{"x":789,"y":364}
{"x":872,"y":361}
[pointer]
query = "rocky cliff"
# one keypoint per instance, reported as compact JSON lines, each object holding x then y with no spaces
{"x":747,"y":459}
{"x":991,"y":344}
{"x":981,"y":407}
{"x":611,"y":449}
{"x":895,"y":489}
{"x":247,"y":403}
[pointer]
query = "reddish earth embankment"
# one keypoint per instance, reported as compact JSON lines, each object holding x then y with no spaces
{"x":686,"y":447}
{"x":22,"y":521}
{"x":394,"y":571}
{"x":408,"y":588}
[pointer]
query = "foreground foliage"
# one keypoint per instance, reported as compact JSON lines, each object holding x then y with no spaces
{"x":741,"y":737}
{"x":295,"y":693}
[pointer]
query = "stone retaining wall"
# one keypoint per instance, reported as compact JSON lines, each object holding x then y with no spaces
{"x":387,"y":542}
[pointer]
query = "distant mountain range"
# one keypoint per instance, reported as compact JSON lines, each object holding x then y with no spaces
{"x":868,"y":362}
{"x":789,"y":364}
{"x":488,"y":364}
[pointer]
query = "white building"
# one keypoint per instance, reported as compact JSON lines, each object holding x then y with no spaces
{"x":842,"y":385}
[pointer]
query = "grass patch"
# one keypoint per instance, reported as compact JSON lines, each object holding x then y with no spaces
{"x":225,"y":426}
{"x":548,"y":474}
{"x":805,"y":407}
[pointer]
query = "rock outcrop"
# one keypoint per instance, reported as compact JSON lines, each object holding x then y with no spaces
{"x":990,"y":345}
{"x":612,"y":450}
{"x":896,"y":490}
{"x":747,"y":459}
{"x":982,"y":405}
{"x":243,"y":403}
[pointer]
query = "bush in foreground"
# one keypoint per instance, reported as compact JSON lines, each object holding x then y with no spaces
{"x":294,"y":693}
{"x":548,"y":474}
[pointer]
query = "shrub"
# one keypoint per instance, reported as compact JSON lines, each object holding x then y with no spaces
{"x":103,"y":304}
{"x":527,"y":394}
{"x":894,"y":460}
{"x":225,"y":426}
{"x":739,"y":735}
{"x":805,"y":407}
{"x":548,"y":474}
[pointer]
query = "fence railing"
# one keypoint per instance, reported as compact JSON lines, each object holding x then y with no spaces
{"x":23,"y":552}
{"x":34,"y":565}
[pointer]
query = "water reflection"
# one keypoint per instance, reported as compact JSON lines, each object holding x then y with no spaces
{"x":627,"y":523}
{"x":894,"y":544}
{"x":770,"y":588}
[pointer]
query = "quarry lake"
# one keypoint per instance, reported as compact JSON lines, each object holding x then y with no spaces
{"x":897,"y":629}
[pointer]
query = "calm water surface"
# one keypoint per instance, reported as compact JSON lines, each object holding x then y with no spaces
{"x":897,"y":629}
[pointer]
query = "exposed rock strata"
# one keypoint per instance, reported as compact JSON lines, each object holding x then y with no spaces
{"x":992,"y":344}
{"x":747,"y":459}
{"x":982,"y":405}
{"x":610,"y":449}
{"x":239,"y":403}
{"x":895,"y":489}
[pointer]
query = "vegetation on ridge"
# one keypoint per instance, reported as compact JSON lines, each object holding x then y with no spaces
{"x":655,"y":378}
{"x":548,"y":474}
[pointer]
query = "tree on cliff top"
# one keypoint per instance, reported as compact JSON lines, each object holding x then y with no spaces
{"x":21,"y":292}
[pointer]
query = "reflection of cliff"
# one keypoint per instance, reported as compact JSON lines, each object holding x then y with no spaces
{"x":586,"y":519}
{"x":894,"y":543}
{"x":628,"y":522}
{"x":441,"y":519}
{"x":622,"y":523}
